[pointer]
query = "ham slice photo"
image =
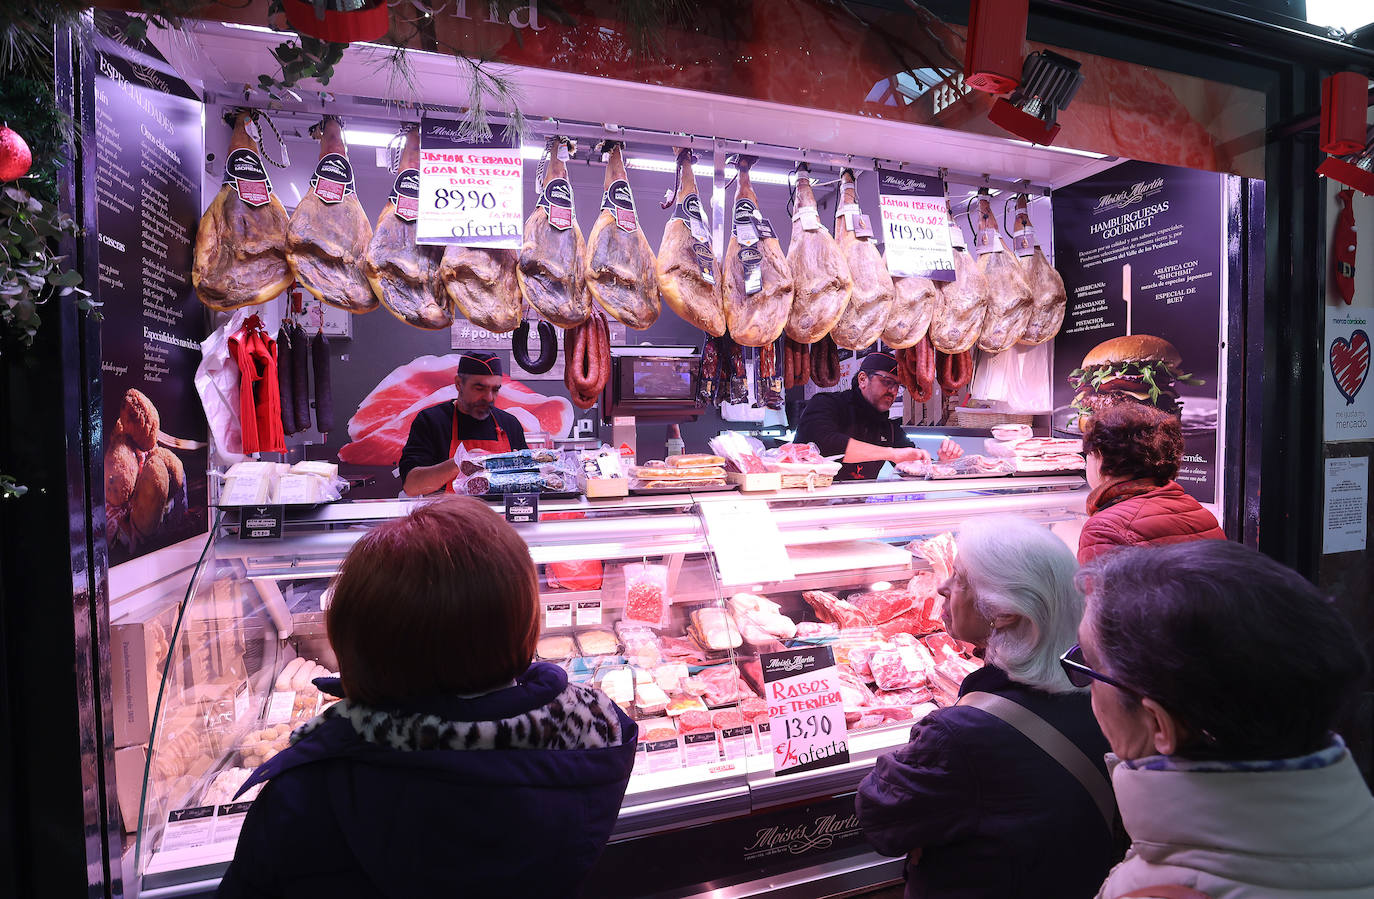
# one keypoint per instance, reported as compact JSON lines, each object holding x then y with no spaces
{"x":378,"y":430}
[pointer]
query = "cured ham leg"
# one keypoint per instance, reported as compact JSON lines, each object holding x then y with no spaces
{"x":240,"y":255}
{"x":329,"y":232}
{"x":870,"y":304}
{"x":912,"y":309}
{"x":403,"y":274}
{"x":688,"y":273}
{"x":962,"y":303}
{"x":482,"y":283}
{"x":820,"y":274}
{"x":758,"y":280}
{"x":621,"y":272}
{"x":1009,"y":299}
{"x":550,"y":268}
{"x":1049,"y":298}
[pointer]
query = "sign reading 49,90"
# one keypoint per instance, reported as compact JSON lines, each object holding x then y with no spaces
{"x":471,"y":192}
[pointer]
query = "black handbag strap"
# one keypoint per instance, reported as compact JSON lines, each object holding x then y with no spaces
{"x":1055,"y":745}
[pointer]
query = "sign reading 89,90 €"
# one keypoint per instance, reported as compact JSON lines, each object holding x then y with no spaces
{"x":471,"y":191}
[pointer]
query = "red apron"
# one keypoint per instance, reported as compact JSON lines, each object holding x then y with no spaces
{"x":500,"y":445}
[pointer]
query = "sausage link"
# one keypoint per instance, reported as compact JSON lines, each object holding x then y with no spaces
{"x":943,"y":372}
{"x":962,"y":369}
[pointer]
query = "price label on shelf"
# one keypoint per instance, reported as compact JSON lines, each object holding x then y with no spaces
{"x":229,"y":821}
{"x":558,"y":614}
{"x":805,"y":710}
{"x":471,"y":191}
{"x":738,"y":742}
{"x":700,"y":748}
{"x":663,"y":755}
{"x":915,"y":225}
{"x":746,"y":541}
{"x":188,"y":828}
{"x":588,"y":612}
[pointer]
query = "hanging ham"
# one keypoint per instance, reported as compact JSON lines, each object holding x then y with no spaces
{"x":912,"y":309}
{"x":552,"y":256}
{"x":871,"y":302}
{"x":621,"y":271}
{"x":482,"y":284}
{"x":820,"y":274}
{"x":241,"y":242}
{"x":405,"y":275}
{"x":758,"y":280}
{"x":688,"y":274}
{"x":1049,"y":298}
{"x":329,"y":231}
{"x":960,"y":307}
{"x":1009,"y":298}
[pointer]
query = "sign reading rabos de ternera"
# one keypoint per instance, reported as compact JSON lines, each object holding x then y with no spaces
{"x":805,"y":709}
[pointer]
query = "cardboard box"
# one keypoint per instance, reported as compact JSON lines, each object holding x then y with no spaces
{"x":138,"y":652}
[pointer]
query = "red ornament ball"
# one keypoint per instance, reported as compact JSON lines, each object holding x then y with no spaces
{"x":15,"y":157}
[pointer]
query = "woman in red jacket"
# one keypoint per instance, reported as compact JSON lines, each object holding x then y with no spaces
{"x":1133,"y":455}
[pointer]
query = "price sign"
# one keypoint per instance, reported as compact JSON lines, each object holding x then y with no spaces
{"x":188,"y":828}
{"x":805,"y":711}
{"x":915,"y":225}
{"x":558,"y":614}
{"x":747,"y":543}
{"x":471,"y":192}
{"x":261,"y":522}
{"x":588,"y":612}
{"x":522,"y":508}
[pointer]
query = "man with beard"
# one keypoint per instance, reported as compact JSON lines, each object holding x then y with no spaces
{"x":854,"y":423}
{"x":471,"y":422}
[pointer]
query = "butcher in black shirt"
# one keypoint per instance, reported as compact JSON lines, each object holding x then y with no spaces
{"x":472,"y":422}
{"x":854,"y":423}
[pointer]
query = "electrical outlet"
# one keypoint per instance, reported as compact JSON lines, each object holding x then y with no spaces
{"x":584,"y":427}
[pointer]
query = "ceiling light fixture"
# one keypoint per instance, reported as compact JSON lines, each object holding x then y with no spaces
{"x":1048,"y":84}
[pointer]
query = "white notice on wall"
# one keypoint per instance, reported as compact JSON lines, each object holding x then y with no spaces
{"x":746,"y":541}
{"x":471,"y":191}
{"x":1349,"y":398}
{"x":1346,"y":515}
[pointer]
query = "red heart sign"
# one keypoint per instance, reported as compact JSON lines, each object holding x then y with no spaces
{"x":1350,"y":364}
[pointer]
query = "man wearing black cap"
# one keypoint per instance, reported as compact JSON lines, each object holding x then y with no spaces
{"x":854,"y":423}
{"x":471,"y":421}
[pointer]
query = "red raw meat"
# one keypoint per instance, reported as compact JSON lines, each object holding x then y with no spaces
{"x":873,"y":717}
{"x":942,"y":645}
{"x":378,"y":430}
{"x":891,"y":672}
{"x":572,"y":575}
{"x":754,"y":709}
{"x":724,"y":685}
{"x":644,"y":602}
{"x":833,"y":610}
{"x":725,"y":718}
{"x":693,"y":721}
{"x":678,"y":649}
{"x":905,"y":697}
{"x":884,"y":605}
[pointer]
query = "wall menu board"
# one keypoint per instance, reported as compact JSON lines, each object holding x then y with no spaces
{"x":149,"y":150}
{"x":1141,"y":250}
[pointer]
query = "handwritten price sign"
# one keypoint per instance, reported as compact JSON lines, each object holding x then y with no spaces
{"x":805,"y":711}
{"x":915,"y":225}
{"x":471,"y":193}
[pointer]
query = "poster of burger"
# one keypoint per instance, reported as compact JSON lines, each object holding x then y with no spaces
{"x":1142,"y":254}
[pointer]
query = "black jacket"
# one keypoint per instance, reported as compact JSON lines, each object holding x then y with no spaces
{"x":432,"y":432}
{"x":831,"y":419}
{"x":993,"y":814}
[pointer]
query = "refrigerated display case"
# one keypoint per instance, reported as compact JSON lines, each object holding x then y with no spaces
{"x":250,"y":638}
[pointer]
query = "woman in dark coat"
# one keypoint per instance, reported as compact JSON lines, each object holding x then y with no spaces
{"x":1133,"y":453}
{"x":979,"y":809}
{"x":453,"y":767}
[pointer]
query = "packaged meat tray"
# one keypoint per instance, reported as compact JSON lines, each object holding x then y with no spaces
{"x":598,"y":642}
{"x":555,"y":647}
{"x":971,"y":467}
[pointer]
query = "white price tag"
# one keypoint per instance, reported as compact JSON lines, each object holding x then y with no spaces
{"x":738,"y":742}
{"x":280,"y":706}
{"x":229,"y":821}
{"x":747,"y":544}
{"x":663,"y":755}
{"x":701,"y":748}
{"x":558,"y":614}
{"x":805,"y":709}
{"x":588,"y":612}
{"x":470,"y":195}
{"x":188,"y":828}
{"x":916,"y":228}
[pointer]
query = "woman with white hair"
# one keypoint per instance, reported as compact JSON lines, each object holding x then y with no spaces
{"x":1006,"y":793}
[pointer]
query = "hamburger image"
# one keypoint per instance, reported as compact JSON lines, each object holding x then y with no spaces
{"x":1139,"y":368}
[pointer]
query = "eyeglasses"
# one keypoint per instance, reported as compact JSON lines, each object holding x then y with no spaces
{"x":885,"y":381}
{"x":1080,"y":675}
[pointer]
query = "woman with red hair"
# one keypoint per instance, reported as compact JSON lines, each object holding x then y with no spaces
{"x":453,"y":766}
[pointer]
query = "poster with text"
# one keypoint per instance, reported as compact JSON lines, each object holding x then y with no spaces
{"x":805,"y":709}
{"x":915,"y":225}
{"x":1349,"y":401}
{"x":471,"y":190}
{"x":1142,"y":252}
{"x":149,"y":151}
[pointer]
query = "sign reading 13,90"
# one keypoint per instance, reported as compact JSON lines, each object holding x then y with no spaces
{"x":805,"y":710}
{"x":471,"y":191}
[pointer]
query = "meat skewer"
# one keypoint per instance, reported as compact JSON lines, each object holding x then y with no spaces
{"x":870,"y":303}
{"x":620,"y":268}
{"x":329,"y":233}
{"x":403,"y":274}
{"x":689,"y":277}
{"x":758,"y":280}
{"x":820,"y":274}
{"x":550,"y":270}
{"x":240,"y":257}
